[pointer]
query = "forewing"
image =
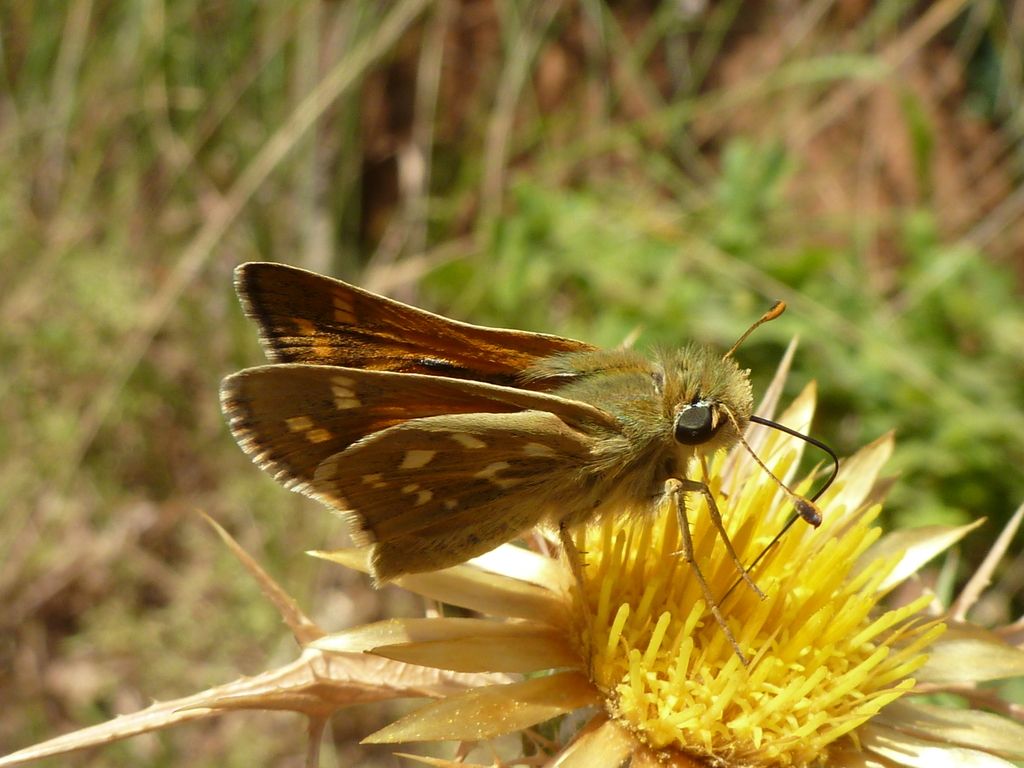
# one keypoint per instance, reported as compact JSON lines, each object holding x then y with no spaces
{"x":308,"y":318}
{"x":292,"y":417}
{"x":437,"y":491}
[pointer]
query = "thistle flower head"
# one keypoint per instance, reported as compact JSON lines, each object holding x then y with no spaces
{"x":824,"y":657}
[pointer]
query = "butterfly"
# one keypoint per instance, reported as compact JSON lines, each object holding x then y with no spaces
{"x":438,"y":440}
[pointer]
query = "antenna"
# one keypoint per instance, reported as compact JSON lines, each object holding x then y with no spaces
{"x":805,"y":508}
{"x":777,"y":309}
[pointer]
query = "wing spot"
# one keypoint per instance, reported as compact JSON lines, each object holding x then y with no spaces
{"x":342,"y":381}
{"x":410,"y":488}
{"x":318,"y":435}
{"x":451,"y":504}
{"x":374,"y":480}
{"x":491,"y":470}
{"x":466,"y":440}
{"x":423,"y":497}
{"x":538,"y":449}
{"x":416,"y":459}
{"x":344,"y":396}
{"x":299,"y":423}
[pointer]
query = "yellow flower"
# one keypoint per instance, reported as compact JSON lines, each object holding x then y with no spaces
{"x":831,"y":673}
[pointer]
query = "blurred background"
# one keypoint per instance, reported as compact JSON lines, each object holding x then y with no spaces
{"x":588,"y":168}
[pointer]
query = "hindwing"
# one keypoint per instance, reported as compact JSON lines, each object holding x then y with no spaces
{"x":435,"y":491}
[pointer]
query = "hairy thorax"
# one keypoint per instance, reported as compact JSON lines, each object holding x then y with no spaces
{"x":627,"y":469}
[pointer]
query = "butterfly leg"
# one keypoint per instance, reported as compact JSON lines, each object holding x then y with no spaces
{"x":695,"y":486}
{"x":679,"y":490}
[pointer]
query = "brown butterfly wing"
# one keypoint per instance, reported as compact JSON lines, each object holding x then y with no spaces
{"x":436,"y":491}
{"x":289,"y":418}
{"x":308,"y":318}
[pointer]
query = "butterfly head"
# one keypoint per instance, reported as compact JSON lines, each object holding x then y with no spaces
{"x":710,"y":399}
{"x":714,"y":400}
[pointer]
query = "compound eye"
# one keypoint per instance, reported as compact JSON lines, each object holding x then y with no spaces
{"x":694,"y":424}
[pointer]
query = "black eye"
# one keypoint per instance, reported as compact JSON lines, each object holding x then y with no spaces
{"x":694,"y":424}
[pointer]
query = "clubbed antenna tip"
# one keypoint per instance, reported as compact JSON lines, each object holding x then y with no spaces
{"x":777,"y":309}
